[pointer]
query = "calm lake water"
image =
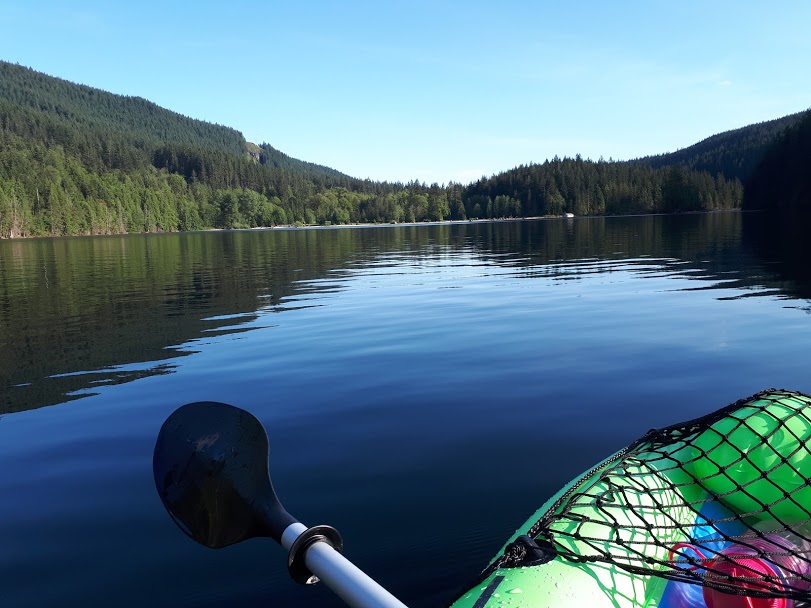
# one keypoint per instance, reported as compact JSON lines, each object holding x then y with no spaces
{"x":425,"y":388}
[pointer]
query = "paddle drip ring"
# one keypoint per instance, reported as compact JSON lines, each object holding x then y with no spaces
{"x":296,"y":565}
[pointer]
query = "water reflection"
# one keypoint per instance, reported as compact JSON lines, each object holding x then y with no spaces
{"x":780,"y":244}
{"x":79,"y":313}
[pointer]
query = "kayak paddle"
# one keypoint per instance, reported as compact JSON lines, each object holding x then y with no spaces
{"x":211,"y":472}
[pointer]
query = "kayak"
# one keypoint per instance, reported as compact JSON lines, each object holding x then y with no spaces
{"x":710,"y":513}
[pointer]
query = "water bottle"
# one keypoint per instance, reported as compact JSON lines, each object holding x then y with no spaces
{"x":777,"y":562}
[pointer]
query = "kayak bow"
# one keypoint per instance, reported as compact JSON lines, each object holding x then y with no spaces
{"x":709,"y":513}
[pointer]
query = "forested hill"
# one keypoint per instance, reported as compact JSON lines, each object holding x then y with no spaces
{"x":86,"y":119}
{"x":783,"y":178}
{"x":734,"y":154}
{"x":585,"y":187}
{"x":270,"y":156}
{"x":78,"y":160}
{"x":119,"y":131}
{"x":36,"y":103}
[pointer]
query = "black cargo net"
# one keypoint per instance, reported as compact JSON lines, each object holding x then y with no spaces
{"x":722,"y":501}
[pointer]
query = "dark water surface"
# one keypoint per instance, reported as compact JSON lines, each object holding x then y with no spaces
{"x":425,"y":388}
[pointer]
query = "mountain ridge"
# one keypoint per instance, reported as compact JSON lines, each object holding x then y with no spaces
{"x":97,"y":108}
{"x":734,"y":153}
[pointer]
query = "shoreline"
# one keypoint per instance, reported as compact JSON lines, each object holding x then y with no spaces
{"x":375,"y":225}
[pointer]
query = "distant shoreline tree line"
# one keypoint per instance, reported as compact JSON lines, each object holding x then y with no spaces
{"x":79,"y":161}
{"x":45,"y":191}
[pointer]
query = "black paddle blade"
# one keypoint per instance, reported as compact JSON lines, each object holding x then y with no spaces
{"x":211,"y":472}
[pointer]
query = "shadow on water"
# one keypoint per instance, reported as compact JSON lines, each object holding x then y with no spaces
{"x":76,"y":314}
{"x":780,"y":243}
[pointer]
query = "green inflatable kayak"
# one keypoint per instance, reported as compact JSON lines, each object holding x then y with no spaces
{"x":711,"y":513}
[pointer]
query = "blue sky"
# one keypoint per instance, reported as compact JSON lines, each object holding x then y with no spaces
{"x":434,"y":90}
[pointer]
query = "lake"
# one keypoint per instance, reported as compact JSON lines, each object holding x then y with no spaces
{"x":425,"y":388}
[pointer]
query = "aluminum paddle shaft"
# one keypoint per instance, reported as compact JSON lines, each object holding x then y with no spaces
{"x":345,"y":579}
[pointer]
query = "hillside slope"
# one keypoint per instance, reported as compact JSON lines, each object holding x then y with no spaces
{"x":87,"y":108}
{"x":118,"y":131}
{"x":584,"y":187}
{"x":782,"y":180}
{"x":270,"y":156}
{"x":734,"y":154}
